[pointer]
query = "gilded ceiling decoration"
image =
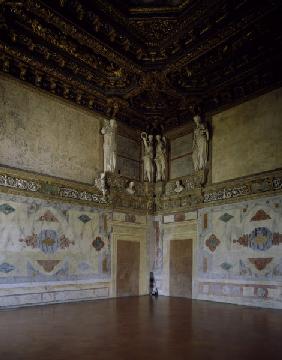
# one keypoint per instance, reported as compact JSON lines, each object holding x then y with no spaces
{"x":153,"y":60}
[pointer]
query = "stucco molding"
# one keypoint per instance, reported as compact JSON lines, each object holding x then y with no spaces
{"x":247,"y":188}
{"x":21,"y":182}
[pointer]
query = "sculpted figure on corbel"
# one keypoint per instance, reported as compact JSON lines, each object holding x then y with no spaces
{"x":130,"y":189}
{"x":186,"y":184}
{"x":148,"y":156}
{"x":161,"y":158}
{"x":101,"y":184}
{"x":200,"y":144}
{"x":109,"y":131}
{"x":178,"y":187}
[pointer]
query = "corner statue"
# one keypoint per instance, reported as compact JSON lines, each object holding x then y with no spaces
{"x":148,"y":156}
{"x":160,"y":159}
{"x":110,"y":145}
{"x":200,"y":145}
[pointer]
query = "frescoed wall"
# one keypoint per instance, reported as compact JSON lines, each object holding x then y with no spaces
{"x":181,"y":156}
{"x":128,"y":228}
{"x":246,"y":139}
{"x":164,"y":229}
{"x":240,"y":252}
{"x":63,"y":246}
{"x":180,"y":151}
{"x":49,"y":136}
{"x":237,"y":251}
{"x":54,"y":252}
{"x":43,"y":243}
{"x":128,"y":157}
{"x":51,"y":251}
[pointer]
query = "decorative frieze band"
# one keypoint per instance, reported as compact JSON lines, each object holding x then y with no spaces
{"x":81,"y":195}
{"x":16,"y":183}
{"x":46,"y":186}
{"x":277,"y":183}
{"x":146,"y":199}
{"x":188,"y":199}
{"x":250,"y":187}
{"x":50,"y":188}
{"x":227,"y":193}
{"x":186,"y":184}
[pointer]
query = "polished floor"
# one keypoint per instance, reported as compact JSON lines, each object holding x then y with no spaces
{"x":141,"y":328}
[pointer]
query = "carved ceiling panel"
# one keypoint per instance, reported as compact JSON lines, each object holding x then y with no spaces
{"x":152,"y":3}
{"x":153,"y":61}
{"x":151,"y":6}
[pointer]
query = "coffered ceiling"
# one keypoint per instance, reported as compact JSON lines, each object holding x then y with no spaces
{"x":151,"y":62}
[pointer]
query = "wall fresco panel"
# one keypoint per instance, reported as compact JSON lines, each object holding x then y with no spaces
{"x":247,"y":138}
{"x":181,"y":167}
{"x":181,"y":145}
{"x":43,"y":134}
{"x":129,"y":168}
{"x":241,"y":243}
{"x":128,"y":148}
{"x":45,"y":242}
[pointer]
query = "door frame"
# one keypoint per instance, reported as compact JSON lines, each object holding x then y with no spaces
{"x":191,"y":241}
{"x":179,"y":231}
{"x":130,"y":232}
{"x":132,"y":261}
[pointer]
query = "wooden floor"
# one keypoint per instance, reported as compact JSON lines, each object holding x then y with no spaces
{"x":141,"y":328}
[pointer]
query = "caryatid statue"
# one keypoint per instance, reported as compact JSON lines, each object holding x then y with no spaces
{"x":148,"y":156}
{"x":161,"y":158}
{"x":200,"y":144}
{"x":110,"y":145}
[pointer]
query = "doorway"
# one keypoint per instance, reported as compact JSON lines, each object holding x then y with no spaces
{"x":128,"y":265}
{"x":181,"y":254}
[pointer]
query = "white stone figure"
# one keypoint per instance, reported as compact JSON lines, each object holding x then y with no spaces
{"x":179,"y":187}
{"x":110,"y":145}
{"x":100,"y":183}
{"x":161,"y":158}
{"x":148,"y":156}
{"x":130,"y":188}
{"x":200,"y":145}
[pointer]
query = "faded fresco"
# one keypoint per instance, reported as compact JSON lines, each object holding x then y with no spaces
{"x":43,"y":242}
{"x":43,"y":134}
{"x":157,"y":245}
{"x":128,"y":157}
{"x":165,"y":229}
{"x":249,"y":131}
{"x":181,"y":156}
{"x":240,"y":250}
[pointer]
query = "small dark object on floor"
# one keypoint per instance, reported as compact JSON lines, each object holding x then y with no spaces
{"x":155,"y":292}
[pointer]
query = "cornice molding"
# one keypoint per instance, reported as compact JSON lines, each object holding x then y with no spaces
{"x":201,"y":196}
{"x":150,"y":199}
